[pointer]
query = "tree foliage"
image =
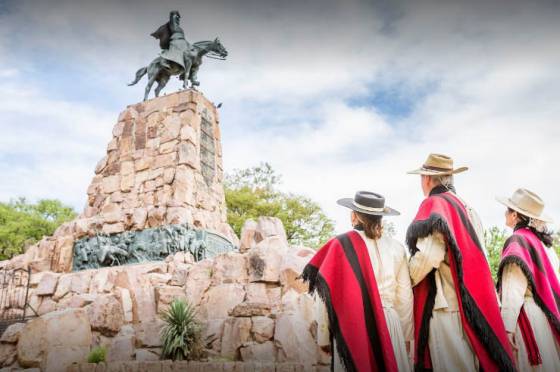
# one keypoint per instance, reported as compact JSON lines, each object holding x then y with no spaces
{"x":252,"y":193}
{"x":494,"y":240}
{"x":23,"y":224}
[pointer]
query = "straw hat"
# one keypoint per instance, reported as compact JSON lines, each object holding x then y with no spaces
{"x":438,"y":165}
{"x":527,"y":203}
{"x":368,"y":202}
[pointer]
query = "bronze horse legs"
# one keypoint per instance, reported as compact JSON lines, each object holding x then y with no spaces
{"x":157,"y":71}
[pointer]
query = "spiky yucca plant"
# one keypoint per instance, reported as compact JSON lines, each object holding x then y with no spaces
{"x":182,"y":334}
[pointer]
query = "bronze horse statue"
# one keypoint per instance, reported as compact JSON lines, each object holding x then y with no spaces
{"x":161,"y":69}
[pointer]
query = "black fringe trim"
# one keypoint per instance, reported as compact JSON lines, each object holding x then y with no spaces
{"x":318,"y":284}
{"x":421,"y":229}
{"x":527,"y":246}
{"x":436,"y":223}
{"x":538,"y":300}
{"x":309,"y":275}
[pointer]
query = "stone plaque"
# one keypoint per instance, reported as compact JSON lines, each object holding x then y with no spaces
{"x":207,"y":148}
{"x":215,"y":244}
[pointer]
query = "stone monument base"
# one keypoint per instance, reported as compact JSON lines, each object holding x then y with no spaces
{"x":162,"y":167}
{"x":252,"y":306}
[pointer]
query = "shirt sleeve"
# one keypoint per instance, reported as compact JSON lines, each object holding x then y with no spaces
{"x":514,"y":286}
{"x":404,"y":299}
{"x":478,"y":228}
{"x":430,"y":254}
{"x":322,"y":318}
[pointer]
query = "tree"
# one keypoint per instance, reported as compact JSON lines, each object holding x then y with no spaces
{"x":494,"y":240}
{"x":252,"y":193}
{"x":23,"y":224}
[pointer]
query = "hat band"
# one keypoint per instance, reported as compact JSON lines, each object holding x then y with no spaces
{"x":524,"y":209}
{"x":369,"y":209}
{"x":439,"y":169}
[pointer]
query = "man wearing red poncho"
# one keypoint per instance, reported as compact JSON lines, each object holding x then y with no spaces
{"x":457,"y":319}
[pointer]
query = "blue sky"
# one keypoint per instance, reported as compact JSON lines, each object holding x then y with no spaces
{"x":337,"y":96}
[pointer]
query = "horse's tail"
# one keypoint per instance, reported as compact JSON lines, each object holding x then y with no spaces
{"x":139,"y":75}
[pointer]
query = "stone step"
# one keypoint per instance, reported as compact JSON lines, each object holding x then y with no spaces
{"x":210,"y":366}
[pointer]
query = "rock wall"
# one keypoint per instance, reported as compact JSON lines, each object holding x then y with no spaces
{"x":163,"y":166}
{"x":253,"y":307}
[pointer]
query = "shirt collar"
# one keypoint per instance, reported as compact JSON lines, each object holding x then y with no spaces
{"x":440,"y":189}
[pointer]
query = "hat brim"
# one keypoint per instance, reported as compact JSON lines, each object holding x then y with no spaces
{"x":431,"y":172}
{"x":508,"y":203}
{"x":349,"y":203}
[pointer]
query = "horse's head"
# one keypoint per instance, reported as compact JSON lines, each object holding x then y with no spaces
{"x":218,"y":48}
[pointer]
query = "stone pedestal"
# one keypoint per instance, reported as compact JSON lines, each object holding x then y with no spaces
{"x":163,"y":166}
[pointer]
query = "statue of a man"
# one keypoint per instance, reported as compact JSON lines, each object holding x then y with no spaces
{"x":177,"y":57}
{"x":172,"y":41}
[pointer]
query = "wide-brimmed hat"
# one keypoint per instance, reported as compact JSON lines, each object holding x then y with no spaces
{"x":527,"y":203}
{"x":438,"y":165}
{"x":368,"y":202}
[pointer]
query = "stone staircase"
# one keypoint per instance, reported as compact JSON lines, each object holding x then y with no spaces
{"x":168,"y":366}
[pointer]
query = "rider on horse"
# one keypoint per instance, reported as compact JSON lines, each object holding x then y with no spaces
{"x":177,"y":57}
{"x":175,"y":47}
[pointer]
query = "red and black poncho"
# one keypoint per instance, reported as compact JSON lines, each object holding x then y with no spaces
{"x":342,"y":274}
{"x":524,"y":249}
{"x":443,"y":212}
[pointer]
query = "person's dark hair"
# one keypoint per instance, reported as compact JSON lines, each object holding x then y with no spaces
{"x":371,"y":225}
{"x":545,"y":236}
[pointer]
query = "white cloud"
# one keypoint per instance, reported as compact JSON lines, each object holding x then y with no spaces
{"x":48,"y":147}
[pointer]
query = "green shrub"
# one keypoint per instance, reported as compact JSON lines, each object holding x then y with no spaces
{"x":182,"y":334}
{"x":97,"y":355}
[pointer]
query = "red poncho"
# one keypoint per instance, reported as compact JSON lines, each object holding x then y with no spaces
{"x":478,"y":305}
{"x":524,"y":249}
{"x":342,"y":275}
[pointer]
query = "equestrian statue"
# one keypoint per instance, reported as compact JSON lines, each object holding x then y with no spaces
{"x":177,"y":57}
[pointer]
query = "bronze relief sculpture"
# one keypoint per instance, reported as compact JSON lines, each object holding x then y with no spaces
{"x":151,"y":244}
